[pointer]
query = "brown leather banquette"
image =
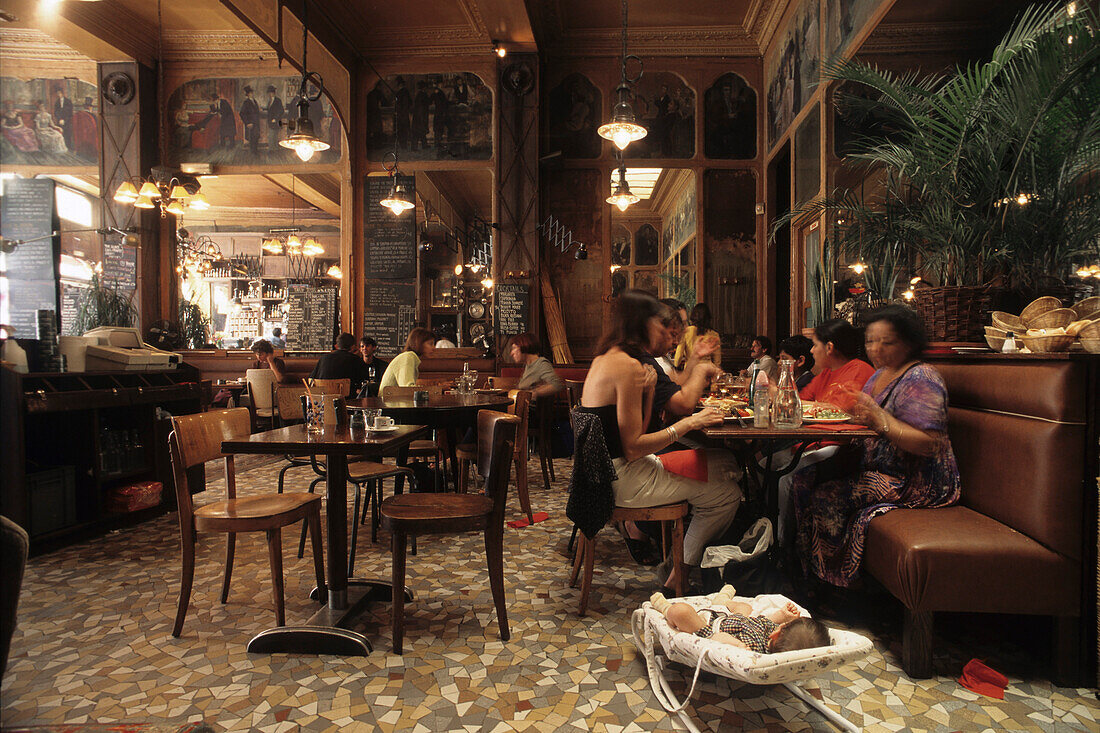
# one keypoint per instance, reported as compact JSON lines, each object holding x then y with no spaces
{"x":1024,"y":435}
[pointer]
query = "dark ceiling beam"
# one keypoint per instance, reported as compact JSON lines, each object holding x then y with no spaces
{"x":317,"y":189}
{"x":327,"y":33}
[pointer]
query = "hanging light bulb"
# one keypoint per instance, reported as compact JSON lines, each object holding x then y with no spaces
{"x":302,"y":138}
{"x":487,"y":282}
{"x":398,"y":200}
{"x":623,"y":128}
{"x":126,"y":193}
{"x":335,"y":271}
{"x":858,"y":268}
{"x":144,"y":202}
{"x":621,"y":195}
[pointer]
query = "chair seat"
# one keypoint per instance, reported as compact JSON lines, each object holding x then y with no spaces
{"x":369,"y":470}
{"x":265,"y":412}
{"x":423,"y":447}
{"x":664,"y":512}
{"x":432,"y":511}
{"x":258,"y":512}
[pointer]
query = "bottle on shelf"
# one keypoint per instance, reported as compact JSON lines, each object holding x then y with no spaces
{"x":1010,"y":346}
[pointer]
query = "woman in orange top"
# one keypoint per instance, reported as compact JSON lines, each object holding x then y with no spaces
{"x":836,"y":346}
{"x":835,"y":350}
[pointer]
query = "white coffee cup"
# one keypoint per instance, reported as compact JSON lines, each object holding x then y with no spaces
{"x":383,"y":422}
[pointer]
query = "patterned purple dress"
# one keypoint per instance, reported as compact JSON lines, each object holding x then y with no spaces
{"x":832,"y":517}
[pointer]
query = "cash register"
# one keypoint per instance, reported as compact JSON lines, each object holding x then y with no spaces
{"x":116,"y":348}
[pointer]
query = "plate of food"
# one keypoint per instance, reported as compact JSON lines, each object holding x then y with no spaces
{"x":819,"y":412}
{"x":721,"y":403}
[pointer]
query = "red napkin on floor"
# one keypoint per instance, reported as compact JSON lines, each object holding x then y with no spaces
{"x":836,"y":426}
{"x":690,"y":464}
{"x":520,"y":523}
{"x":984,"y":680}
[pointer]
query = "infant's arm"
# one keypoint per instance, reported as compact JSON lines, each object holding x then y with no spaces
{"x":782,"y":615}
{"x":725,"y":638}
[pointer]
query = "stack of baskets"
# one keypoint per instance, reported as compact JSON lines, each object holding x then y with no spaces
{"x":1044,"y":326}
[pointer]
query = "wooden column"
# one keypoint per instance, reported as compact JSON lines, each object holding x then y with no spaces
{"x":517,"y":189}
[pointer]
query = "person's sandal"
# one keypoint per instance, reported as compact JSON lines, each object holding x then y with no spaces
{"x":642,"y":551}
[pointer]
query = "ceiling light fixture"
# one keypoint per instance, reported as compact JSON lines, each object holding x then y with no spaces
{"x":301,"y":137}
{"x":398,"y":199}
{"x":620,"y":194}
{"x":623,"y":128}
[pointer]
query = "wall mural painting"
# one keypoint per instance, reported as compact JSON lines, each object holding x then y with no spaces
{"x":842,"y":19}
{"x":667,"y":242}
{"x":792,"y":69}
{"x":573,"y":110}
{"x":730,"y":241}
{"x":49,"y":122}
{"x":647,"y":241}
{"x":620,"y":246}
{"x":729,"y":125}
{"x":646,"y":280}
{"x":683,"y":223}
{"x":433,"y":117}
{"x":241,"y":121}
{"x":807,"y":157}
{"x":666,"y":106}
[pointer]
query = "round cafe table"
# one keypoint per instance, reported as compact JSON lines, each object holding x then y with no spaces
{"x":448,"y":412}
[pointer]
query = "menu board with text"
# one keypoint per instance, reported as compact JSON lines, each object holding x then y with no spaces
{"x":27,"y":215}
{"x":390,"y":239}
{"x":390,"y":315}
{"x":119,"y":264}
{"x":311,"y":319}
{"x":513,"y":308}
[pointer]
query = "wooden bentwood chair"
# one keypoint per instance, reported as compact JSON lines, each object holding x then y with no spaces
{"x":468,"y":452}
{"x":196,"y":439}
{"x":339,"y":387}
{"x":416,"y":514}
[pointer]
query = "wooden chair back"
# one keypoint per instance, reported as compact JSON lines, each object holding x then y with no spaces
{"x":328,"y":386}
{"x":261,"y":388}
{"x":445,"y":382}
{"x":521,"y":408}
{"x":573,"y":389}
{"x":395,"y":391}
{"x":496,"y":436}
{"x":288,"y":398}
{"x":197,"y":439}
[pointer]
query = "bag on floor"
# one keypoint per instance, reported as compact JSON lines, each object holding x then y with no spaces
{"x":747,"y":565}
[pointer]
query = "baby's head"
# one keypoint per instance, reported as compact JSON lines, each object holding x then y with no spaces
{"x":801,"y":633}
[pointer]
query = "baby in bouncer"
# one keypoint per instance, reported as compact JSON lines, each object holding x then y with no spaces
{"x":781,"y":630}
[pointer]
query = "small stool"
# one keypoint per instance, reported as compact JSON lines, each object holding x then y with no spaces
{"x":671,"y":517}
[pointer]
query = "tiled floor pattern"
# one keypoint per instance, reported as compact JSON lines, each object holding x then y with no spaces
{"x":94,"y":645}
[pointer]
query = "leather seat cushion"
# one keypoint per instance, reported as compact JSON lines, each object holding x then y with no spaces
{"x":955,"y":559}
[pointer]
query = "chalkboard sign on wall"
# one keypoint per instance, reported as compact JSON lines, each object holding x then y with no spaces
{"x":311,"y":320}
{"x":119,"y":264}
{"x":391,"y":240}
{"x":513,"y":308}
{"x":391,"y":314}
{"x":27,"y":213}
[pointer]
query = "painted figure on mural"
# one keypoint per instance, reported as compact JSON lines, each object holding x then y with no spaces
{"x":440,"y":108}
{"x":729,"y":125}
{"x":402,"y":113}
{"x":63,"y":116}
{"x":50,"y":138}
{"x":222,"y":112}
{"x":274,"y":113}
{"x":250,"y":118}
{"x":420,"y":106}
{"x":16,"y":132}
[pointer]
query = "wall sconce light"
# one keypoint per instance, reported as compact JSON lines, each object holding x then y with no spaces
{"x":499,"y":49}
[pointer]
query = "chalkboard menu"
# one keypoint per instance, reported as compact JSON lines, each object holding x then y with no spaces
{"x":513,"y":308}
{"x":70,"y":307}
{"x":27,"y":213}
{"x":391,"y":240}
{"x":391,"y":314}
{"x":119,"y":264}
{"x":311,"y":320}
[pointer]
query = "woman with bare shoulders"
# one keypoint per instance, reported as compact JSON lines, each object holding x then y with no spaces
{"x":619,"y":391}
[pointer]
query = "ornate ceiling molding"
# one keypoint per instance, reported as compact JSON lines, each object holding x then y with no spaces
{"x":215,"y":45}
{"x":29,"y":43}
{"x":473,"y":14}
{"x":764,"y":23}
{"x":698,"y":40}
{"x":895,"y":38}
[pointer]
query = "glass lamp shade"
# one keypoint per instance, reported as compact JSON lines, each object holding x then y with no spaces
{"x":179,"y":192}
{"x":144,"y":202}
{"x":302,"y":140}
{"x":149,"y":190}
{"x":623,"y":128}
{"x":398,"y":200}
{"x":175,"y":207}
{"x":198,"y":202}
{"x":272,"y":246}
{"x":621,"y":195}
{"x":126,"y":193}
{"x":335,"y":271}
{"x":310,"y":248}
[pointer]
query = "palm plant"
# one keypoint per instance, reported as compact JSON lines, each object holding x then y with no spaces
{"x":103,"y":305}
{"x":194,"y":325}
{"x":987,"y":173}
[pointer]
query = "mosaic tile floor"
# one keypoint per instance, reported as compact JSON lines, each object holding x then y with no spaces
{"x":94,"y":646}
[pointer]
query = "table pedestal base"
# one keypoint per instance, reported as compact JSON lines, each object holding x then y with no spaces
{"x":325,"y":632}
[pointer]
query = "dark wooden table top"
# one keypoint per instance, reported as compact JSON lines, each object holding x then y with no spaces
{"x":294,"y":440}
{"x":435,"y":403}
{"x":733,"y":431}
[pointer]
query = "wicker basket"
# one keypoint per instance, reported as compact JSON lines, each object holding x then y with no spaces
{"x":1090,"y":331}
{"x":1057,"y":318}
{"x":952,"y":313}
{"x":1008,"y":322}
{"x":1039,"y":306}
{"x":1091,"y":345}
{"x":1047,"y":344}
{"x":1084,"y":308}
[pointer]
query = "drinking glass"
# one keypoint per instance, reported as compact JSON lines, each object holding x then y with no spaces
{"x":371,"y":414}
{"x":313,"y":411}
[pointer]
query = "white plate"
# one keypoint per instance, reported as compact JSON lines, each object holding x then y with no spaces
{"x":826,"y":420}
{"x":390,"y":429}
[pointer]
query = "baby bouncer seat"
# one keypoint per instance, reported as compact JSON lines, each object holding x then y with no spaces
{"x":653,"y":634}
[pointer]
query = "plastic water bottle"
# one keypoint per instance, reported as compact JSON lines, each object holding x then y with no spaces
{"x":760,"y":399}
{"x":788,"y":405}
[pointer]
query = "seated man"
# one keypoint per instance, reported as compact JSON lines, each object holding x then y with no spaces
{"x":342,"y":363}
